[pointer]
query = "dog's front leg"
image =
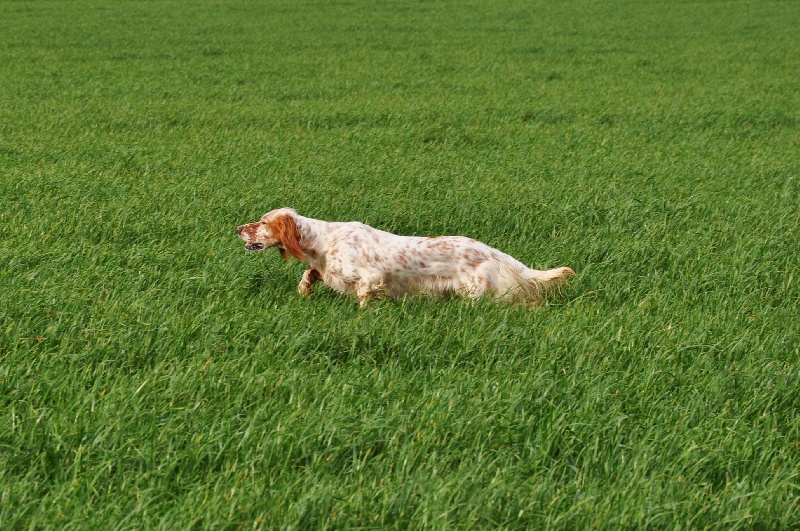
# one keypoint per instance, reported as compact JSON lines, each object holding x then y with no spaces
{"x":310,"y":276}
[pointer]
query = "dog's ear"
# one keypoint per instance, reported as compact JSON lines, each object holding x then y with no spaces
{"x":284,"y":228}
{"x":284,"y":254}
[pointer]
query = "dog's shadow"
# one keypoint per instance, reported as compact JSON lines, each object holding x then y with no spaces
{"x":273,"y":280}
{"x":257,"y":281}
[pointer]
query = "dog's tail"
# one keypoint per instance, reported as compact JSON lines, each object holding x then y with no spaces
{"x":531,"y":286}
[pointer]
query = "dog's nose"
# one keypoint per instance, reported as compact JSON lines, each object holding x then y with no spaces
{"x":239,"y":229}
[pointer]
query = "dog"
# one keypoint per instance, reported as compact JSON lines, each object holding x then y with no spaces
{"x":356,"y":259}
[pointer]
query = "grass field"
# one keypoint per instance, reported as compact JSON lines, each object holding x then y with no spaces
{"x":155,"y":375}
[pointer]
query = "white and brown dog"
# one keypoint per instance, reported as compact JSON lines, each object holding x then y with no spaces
{"x":354,"y":258}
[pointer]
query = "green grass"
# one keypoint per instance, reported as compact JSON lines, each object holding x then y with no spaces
{"x":155,"y":375}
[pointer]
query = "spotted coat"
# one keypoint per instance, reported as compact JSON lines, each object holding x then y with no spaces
{"x":356,"y":259}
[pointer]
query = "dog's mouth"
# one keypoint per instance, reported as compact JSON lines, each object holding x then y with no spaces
{"x":255,"y":246}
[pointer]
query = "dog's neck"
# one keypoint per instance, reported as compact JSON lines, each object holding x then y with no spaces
{"x":314,"y":237}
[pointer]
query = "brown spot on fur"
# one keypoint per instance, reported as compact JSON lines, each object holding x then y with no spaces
{"x":248,"y":230}
{"x":474,"y":258}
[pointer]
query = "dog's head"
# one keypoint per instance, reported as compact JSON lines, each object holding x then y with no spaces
{"x":277,"y":228}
